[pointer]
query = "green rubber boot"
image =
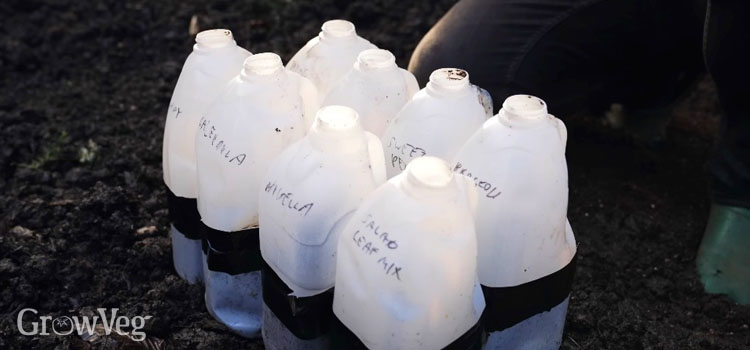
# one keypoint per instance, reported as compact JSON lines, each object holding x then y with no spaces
{"x":724,"y":256}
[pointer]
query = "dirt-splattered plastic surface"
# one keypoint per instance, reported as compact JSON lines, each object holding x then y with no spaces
{"x":85,"y":89}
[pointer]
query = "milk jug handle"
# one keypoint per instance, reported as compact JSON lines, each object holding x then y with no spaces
{"x":412,"y":86}
{"x":310,"y":101}
{"x":569,"y":237}
{"x":561,"y":129}
{"x":469,"y":187}
{"x":485,"y":99}
{"x":377,"y":157}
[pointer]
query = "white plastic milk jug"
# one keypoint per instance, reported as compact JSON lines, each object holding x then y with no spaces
{"x":215,"y":60}
{"x":259,"y":113}
{"x":330,"y":55}
{"x":406,"y":269}
{"x":437,"y":121}
{"x":526,"y":246}
{"x":376,"y":88}
{"x":311,"y":189}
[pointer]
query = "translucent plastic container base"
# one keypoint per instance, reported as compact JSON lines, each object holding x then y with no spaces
{"x":277,"y":337}
{"x":539,"y":332}
{"x":186,"y":256}
{"x":235,"y":300}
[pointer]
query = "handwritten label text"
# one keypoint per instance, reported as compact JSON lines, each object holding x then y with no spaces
{"x":209,"y":131}
{"x":402,"y":151}
{"x":374,"y":241}
{"x":490,"y":191}
{"x":174,"y":109}
{"x":286,"y":199}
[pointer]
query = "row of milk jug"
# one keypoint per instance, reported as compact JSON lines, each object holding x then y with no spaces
{"x":438,"y":224}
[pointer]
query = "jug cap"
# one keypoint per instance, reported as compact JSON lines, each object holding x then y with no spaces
{"x":448,"y":80}
{"x":524,"y":108}
{"x":213,"y":39}
{"x":374,"y":59}
{"x":337,"y":28}
{"x":261,"y":64}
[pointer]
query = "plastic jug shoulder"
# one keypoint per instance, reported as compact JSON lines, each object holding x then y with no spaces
{"x":259,"y":113}
{"x":437,"y":121}
{"x":215,"y":59}
{"x":330,"y":55}
{"x":309,"y":192}
{"x":405,"y":274}
{"x":517,"y":161}
{"x":376,"y":88}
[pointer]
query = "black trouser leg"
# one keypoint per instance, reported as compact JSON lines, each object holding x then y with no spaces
{"x":727,"y":55}
{"x":573,"y":53}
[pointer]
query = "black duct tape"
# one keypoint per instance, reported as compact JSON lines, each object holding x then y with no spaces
{"x":183,"y":212}
{"x":232,"y":252}
{"x":507,"y":306}
{"x":343,"y":338}
{"x":308,"y":317}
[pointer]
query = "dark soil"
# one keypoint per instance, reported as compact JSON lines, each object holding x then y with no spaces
{"x":85,"y":88}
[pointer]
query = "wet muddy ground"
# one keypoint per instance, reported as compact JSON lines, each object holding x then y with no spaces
{"x":85,"y":88}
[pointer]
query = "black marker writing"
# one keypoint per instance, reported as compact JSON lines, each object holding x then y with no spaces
{"x":362,"y":242}
{"x":209,"y":131}
{"x":390,"y":268}
{"x":403,"y":150}
{"x":374,"y":241}
{"x":383,"y":235}
{"x":286,"y":199}
{"x":175,"y":109}
{"x":491,"y":191}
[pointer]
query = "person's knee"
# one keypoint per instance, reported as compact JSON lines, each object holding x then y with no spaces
{"x":440,"y":48}
{"x":475,"y":36}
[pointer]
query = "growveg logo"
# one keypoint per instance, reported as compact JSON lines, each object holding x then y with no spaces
{"x":80,"y":325}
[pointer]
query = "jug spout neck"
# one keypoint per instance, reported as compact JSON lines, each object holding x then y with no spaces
{"x":261,"y":66}
{"x":337,"y":129}
{"x":523,"y":109}
{"x":375,"y":60}
{"x":448,"y":82}
{"x":214,"y":40}
{"x":427,"y":177}
{"x":337,"y":30}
